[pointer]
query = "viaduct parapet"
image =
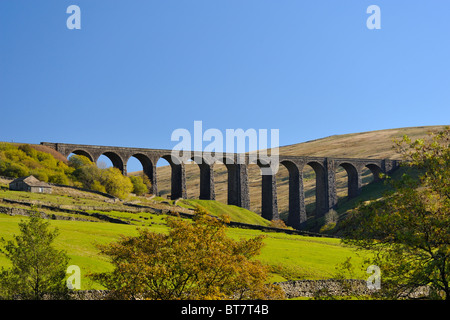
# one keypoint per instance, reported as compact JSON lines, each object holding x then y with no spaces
{"x":238,"y":184}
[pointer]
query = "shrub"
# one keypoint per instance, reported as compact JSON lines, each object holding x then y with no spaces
{"x":40,"y":175}
{"x":147,"y":182}
{"x":13,"y":169}
{"x":278,"y":224}
{"x":97,"y":186}
{"x":115,"y":183}
{"x":37,"y":268}
{"x":78,"y":161}
{"x":139,"y":187}
{"x":58,"y":178}
{"x":408,"y":228}
{"x":29,"y":151}
{"x":23,"y":160}
{"x":331,"y":219}
{"x":195,"y":260}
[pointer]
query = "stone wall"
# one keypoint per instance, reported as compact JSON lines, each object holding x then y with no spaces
{"x":89,"y":294}
{"x":334,"y":287}
{"x":292,"y":289}
{"x":26,"y":212}
{"x":339,"y":287}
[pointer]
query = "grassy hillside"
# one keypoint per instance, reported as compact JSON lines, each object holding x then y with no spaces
{"x":290,"y":256}
{"x":220,"y":209}
{"x":372,"y":144}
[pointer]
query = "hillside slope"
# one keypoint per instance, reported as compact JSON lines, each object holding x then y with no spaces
{"x":85,"y":219}
{"x":373,"y":144}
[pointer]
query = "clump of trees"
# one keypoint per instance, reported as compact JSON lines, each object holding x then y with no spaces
{"x":195,"y":260}
{"x":408,"y":228}
{"x":110,"y":180}
{"x":141,"y":185}
{"x":23,"y":160}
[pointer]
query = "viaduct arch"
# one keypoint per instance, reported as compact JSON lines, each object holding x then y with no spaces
{"x":237,"y":172}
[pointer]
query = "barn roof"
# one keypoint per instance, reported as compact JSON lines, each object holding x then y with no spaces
{"x":31,"y":181}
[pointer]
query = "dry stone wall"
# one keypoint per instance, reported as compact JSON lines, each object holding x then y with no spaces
{"x":310,"y":288}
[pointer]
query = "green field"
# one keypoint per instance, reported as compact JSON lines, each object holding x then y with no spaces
{"x":220,"y":209}
{"x":290,"y":256}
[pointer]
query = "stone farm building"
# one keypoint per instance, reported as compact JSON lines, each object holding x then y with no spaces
{"x":30,"y":184}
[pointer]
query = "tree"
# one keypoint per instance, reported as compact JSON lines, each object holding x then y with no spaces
{"x":409,"y":228}
{"x":116,"y":183}
{"x":37,"y":267}
{"x":23,"y":160}
{"x":195,"y":260}
{"x":109,"y":180}
{"x":13,"y":169}
{"x":139,"y":187}
{"x":87,"y":176}
{"x":77,"y":161}
{"x":147,"y":182}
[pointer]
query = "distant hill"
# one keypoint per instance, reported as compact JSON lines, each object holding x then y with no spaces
{"x":372,"y":144}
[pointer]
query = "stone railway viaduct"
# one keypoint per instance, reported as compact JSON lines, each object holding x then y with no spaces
{"x":238,"y":184}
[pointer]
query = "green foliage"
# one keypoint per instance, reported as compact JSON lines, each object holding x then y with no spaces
{"x":296,"y":257}
{"x":78,"y":161}
{"x":37,"y":268}
{"x":139,"y":187}
{"x":115,"y":183}
{"x":97,"y":186}
{"x":86,"y":172}
{"x":278,"y":223}
{"x":11,"y":169}
{"x":147,"y":182}
{"x":58,"y":178}
{"x":23,"y":160}
{"x":195,"y":260}
{"x":108,"y":180}
{"x":331,"y":219}
{"x":409,"y":227}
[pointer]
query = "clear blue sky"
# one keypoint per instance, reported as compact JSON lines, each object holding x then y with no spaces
{"x":139,"y":69}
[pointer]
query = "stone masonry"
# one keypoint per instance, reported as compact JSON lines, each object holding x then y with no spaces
{"x":238,"y":184}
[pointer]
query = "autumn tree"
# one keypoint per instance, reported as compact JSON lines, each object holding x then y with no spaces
{"x":409,"y":228}
{"x":23,"y":160}
{"x":37,"y":267}
{"x":109,"y":180}
{"x":78,"y":161}
{"x":195,"y":260}
{"x":115,"y":182}
{"x":139,"y":187}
